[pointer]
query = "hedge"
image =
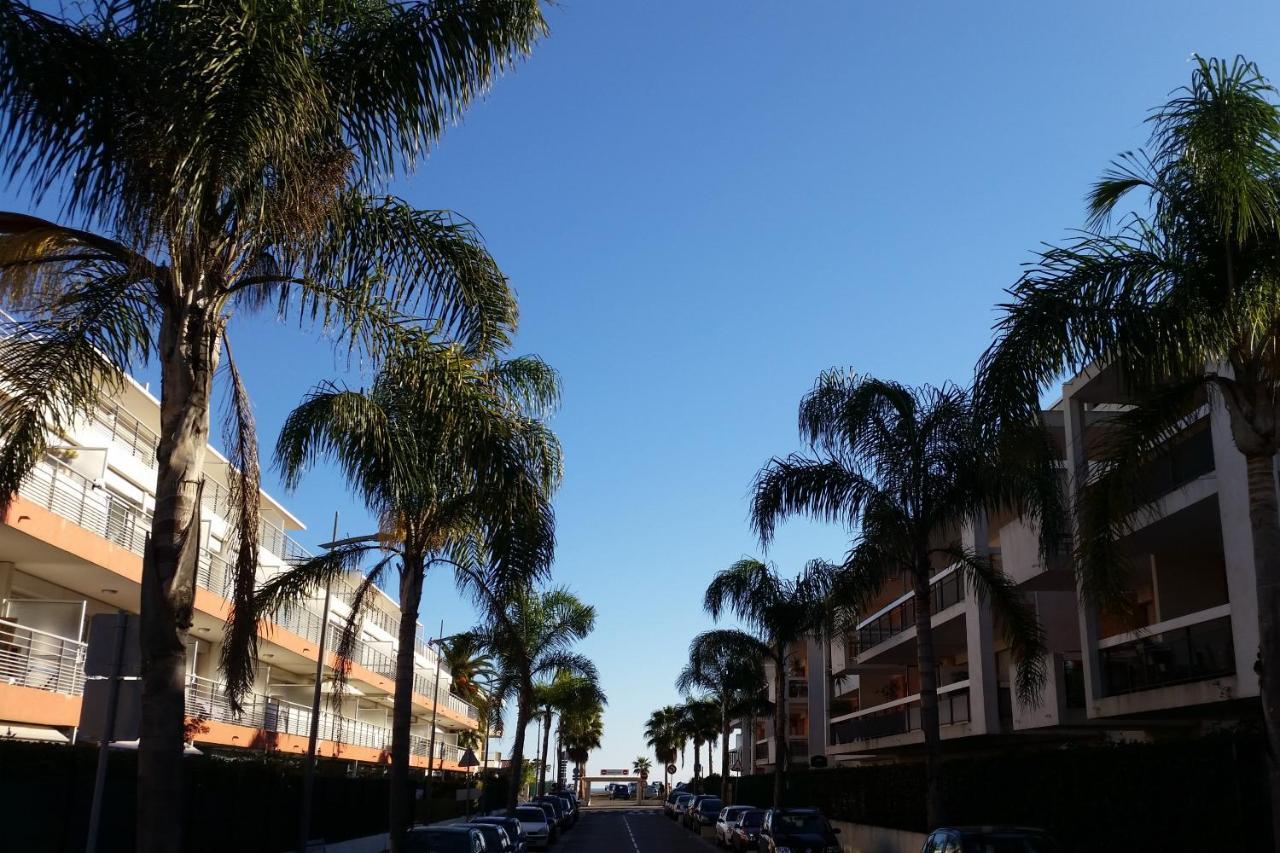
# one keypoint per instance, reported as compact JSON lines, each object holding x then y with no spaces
{"x":244,"y":803}
{"x":1204,"y":794}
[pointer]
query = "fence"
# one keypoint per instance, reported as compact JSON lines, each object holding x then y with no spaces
{"x":34,"y":658}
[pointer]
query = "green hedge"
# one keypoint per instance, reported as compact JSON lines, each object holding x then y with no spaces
{"x":1203,"y":794}
{"x":243,"y":803}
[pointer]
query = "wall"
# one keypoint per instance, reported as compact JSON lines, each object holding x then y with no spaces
{"x":861,"y":838}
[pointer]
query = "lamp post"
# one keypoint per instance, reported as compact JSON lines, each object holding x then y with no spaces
{"x":309,"y":767}
{"x":435,"y":704}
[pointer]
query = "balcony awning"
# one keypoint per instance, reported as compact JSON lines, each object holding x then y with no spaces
{"x":48,"y":734}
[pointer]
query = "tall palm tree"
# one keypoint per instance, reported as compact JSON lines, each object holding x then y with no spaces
{"x":663,"y":734}
{"x":583,"y":729}
{"x":699,"y":723}
{"x":471,"y":668}
{"x":212,"y":159}
{"x":558,"y":696}
{"x":723,"y":663}
{"x":446,"y":447}
{"x":531,"y":634}
{"x":781,"y":612}
{"x":1188,"y":277}
{"x":642,"y":765}
{"x":910,"y":468}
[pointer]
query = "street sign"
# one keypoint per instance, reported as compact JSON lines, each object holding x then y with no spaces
{"x":100,"y":656}
{"x":468,"y":759}
{"x":93,"y":709}
{"x":736,"y":767}
{"x":671,"y":768}
{"x":615,"y":772}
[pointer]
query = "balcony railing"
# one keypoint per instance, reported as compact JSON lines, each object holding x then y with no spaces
{"x":902,"y":716}
{"x":34,"y":658}
{"x":72,"y":496}
{"x":945,"y":592}
{"x":127,"y":431}
{"x":444,"y":752}
{"x":1194,"y":652}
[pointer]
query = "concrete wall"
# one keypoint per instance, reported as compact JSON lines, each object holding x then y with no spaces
{"x":861,"y":838}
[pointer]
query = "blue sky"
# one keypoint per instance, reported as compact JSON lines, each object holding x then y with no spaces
{"x":704,"y":204}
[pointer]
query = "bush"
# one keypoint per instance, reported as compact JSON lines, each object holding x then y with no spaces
{"x":1204,"y":794}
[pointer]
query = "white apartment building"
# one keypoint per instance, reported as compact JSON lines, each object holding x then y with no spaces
{"x":1185,"y":665}
{"x":805,"y":707}
{"x":70,"y":548}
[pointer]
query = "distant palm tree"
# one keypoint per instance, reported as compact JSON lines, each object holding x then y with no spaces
{"x":583,"y":728}
{"x":531,"y":634}
{"x":699,"y":723}
{"x":642,"y":765}
{"x":563,"y":692}
{"x":214,"y":160}
{"x":664,"y":736}
{"x":910,"y":468}
{"x":447,"y":449}
{"x":726,"y":665}
{"x":781,"y":613}
{"x":1188,"y":278}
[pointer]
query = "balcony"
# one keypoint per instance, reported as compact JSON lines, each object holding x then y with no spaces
{"x":902,"y":716}
{"x":1178,"y":651}
{"x":946,"y":590}
{"x":32,"y":658}
{"x":71,"y":496}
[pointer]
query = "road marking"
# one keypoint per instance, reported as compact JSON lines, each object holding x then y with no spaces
{"x":630,"y":833}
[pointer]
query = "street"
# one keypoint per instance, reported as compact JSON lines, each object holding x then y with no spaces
{"x":638,"y":830}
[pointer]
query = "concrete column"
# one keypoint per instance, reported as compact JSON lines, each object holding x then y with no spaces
{"x":1077,"y":472}
{"x":984,"y":681}
{"x":818,"y":721}
{"x":1237,"y":548}
{"x":6,"y":584}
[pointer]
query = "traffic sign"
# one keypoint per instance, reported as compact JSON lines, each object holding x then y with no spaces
{"x":623,"y":772}
{"x":671,"y":768}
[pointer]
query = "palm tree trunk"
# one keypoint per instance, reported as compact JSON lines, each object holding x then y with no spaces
{"x":189,"y":342}
{"x":724,"y":750}
{"x":929,"y":722}
{"x":402,"y":701}
{"x":524,"y":710}
{"x":782,"y":751}
{"x":1264,"y":522}
{"x":546,"y":744}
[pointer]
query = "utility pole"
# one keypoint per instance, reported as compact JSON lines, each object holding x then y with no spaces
{"x":435,"y":705}
{"x":309,"y":766}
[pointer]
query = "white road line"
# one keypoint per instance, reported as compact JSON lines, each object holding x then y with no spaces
{"x":630,"y":833}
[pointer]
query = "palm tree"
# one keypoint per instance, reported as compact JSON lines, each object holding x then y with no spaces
{"x":471,"y":668}
{"x":725,"y":664}
{"x":910,"y":468}
{"x":699,"y":723}
{"x":1189,"y":277}
{"x":561,"y":694}
{"x":583,"y":728}
{"x":447,"y":449}
{"x":642,"y":765}
{"x":531,"y":634}
{"x":781,"y":613}
{"x":214,"y":159}
{"x":665,"y":737}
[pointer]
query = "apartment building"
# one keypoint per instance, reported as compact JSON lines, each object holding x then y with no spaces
{"x":70,"y":548}
{"x":1185,"y":664}
{"x":805,"y":706}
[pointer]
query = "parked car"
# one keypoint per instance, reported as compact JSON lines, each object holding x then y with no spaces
{"x":726,"y":820}
{"x":703,"y":813}
{"x":621,"y":792}
{"x":496,"y":839}
{"x":515,"y":831}
{"x":746,"y":832}
{"x":687,"y":818}
{"x":446,"y":839}
{"x":552,"y":817}
{"x":678,"y":807}
{"x":669,"y":804}
{"x":558,"y":810}
{"x":796,"y":829}
{"x":539,"y":828}
{"x":989,"y":839}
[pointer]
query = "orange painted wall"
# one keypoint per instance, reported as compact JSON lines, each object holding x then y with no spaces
{"x":20,"y":704}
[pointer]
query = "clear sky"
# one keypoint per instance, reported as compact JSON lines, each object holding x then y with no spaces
{"x":704,"y":203}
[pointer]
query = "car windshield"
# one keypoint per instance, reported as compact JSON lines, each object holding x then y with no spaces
{"x":805,"y":823}
{"x":531,"y":815}
{"x":439,"y":842}
{"x":753,"y":820}
{"x":1010,"y":844}
{"x":710,"y":806}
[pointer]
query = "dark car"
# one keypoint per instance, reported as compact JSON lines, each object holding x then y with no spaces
{"x":746,"y":832}
{"x":570,"y":807}
{"x":679,"y":805}
{"x":989,"y":839}
{"x":704,"y":813}
{"x":669,"y":806}
{"x":446,"y":839}
{"x":496,"y":839}
{"x":538,"y":827}
{"x":689,"y":818}
{"x":798,"y":831}
{"x":620,"y":792}
{"x":553,"y":817}
{"x":519,"y":838}
{"x":558,"y":806}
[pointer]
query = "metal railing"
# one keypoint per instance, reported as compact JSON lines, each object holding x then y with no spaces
{"x":127,"y":431}
{"x":944,"y":592}
{"x":1194,"y":653}
{"x":953,"y":707}
{"x":70,"y":495}
{"x":33,"y":658}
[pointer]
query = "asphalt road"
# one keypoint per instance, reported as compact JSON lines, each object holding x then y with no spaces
{"x":629,"y":831}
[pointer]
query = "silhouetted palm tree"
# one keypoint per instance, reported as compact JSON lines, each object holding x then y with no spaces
{"x":726,"y":665}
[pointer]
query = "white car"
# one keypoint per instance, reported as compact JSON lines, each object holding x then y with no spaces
{"x":533,"y":820}
{"x":727,"y":821}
